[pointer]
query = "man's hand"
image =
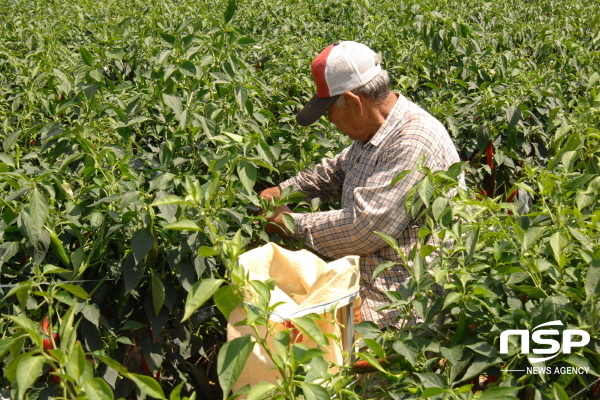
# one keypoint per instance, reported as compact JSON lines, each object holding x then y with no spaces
{"x":271,"y":193}
{"x":277,"y":218}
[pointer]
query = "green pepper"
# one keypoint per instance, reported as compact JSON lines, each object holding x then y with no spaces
{"x":461,"y":329}
{"x":59,"y":250}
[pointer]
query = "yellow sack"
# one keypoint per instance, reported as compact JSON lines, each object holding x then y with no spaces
{"x":306,"y":284}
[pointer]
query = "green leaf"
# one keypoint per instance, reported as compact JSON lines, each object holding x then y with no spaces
{"x":246,"y":40}
{"x":97,"y":74}
{"x":206,"y":251}
{"x":531,"y":235}
{"x":231,"y":361}
{"x":389,"y":240}
{"x":132,"y":273}
{"x":451,"y":298}
{"x":86,"y":56}
{"x":148,"y":385}
{"x":440,"y":206}
{"x":431,"y":379}
{"x":226,"y":300}
{"x":581,"y":362}
{"x":433,"y":391}
{"x":176,"y":392}
{"x":77,"y":362}
{"x":28,"y":325}
{"x":499,"y":393}
{"x":308,"y":327}
{"x":376,"y":347}
{"x":230,"y":11}
{"x":384,"y":266}
{"x":6,"y":343}
{"x":115,"y":54}
{"x":110,"y":362}
{"x":594,"y":78}
{"x":260,"y":390}
{"x":584,"y":198}
{"x":483,"y":348}
{"x":158,"y":293}
{"x":131,"y":324}
{"x":408,"y":349}
{"x":425,"y":190}
{"x":592,"y":280}
{"x":170,"y":200}
{"x":38,"y":210}
{"x":513,"y":116}
{"x":247,"y":173}
{"x":372,"y":361}
{"x":368,"y":329}
{"x":199,"y":294}
{"x":559,"y":392}
{"x":241,"y":95}
{"x":568,"y":160}
{"x":183,"y":225}
{"x":141,"y":243}
{"x":471,"y":243}
{"x":558,"y":241}
{"x":530,"y":291}
{"x":74,"y":290}
{"x":314,"y":392}
{"x":173,"y":103}
{"x":28,"y":370}
{"x":188,"y":68}
{"x":234,"y":137}
{"x":97,"y":389}
{"x":453,"y":354}
{"x":399,"y":177}
{"x":288,"y":222}
{"x":479,"y":364}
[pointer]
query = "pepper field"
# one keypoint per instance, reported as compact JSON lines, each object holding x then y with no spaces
{"x":135,"y":138}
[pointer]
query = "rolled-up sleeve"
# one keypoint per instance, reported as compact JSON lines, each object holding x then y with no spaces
{"x":376,"y":207}
{"x":325,"y":181}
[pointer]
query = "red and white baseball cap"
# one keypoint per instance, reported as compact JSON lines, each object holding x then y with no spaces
{"x":340,"y":67}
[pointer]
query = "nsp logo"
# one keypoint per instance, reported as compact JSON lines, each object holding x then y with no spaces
{"x":555,"y":346}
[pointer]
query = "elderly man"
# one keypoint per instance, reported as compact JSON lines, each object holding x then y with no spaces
{"x":390,"y":135}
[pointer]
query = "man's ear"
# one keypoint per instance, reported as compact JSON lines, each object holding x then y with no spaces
{"x":355,"y":101}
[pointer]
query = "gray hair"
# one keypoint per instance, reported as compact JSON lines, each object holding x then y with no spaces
{"x":377,"y":89}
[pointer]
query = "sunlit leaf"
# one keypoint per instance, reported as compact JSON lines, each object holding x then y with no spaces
{"x":231,"y":361}
{"x":199,"y":294}
{"x":148,"y":385}
{"x":98,"y":389}
{"x":28,"y":371}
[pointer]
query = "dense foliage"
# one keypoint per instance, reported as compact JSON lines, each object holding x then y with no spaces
{"x":136,"y":136}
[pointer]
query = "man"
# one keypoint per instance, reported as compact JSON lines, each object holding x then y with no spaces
{"x":390,"y":135}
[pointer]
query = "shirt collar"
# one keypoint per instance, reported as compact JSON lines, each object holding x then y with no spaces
{"x":391,"y":121}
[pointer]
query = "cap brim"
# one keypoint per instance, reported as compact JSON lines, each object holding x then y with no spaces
{"x":313,"y":110}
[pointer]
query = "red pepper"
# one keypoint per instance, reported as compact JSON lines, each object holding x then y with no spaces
{"x":46,"y":328}
{"x":145,"y":367}
{"x":511,"y":198}
{"x":47,"y":342}
{"x":296,"y":335}
{"x":489,"y":150}
{"x":54,"y":377}
{"x":480,"y":195}
{"x":596,"y":389}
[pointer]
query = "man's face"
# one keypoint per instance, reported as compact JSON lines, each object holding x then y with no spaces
{"x":346,"y":120}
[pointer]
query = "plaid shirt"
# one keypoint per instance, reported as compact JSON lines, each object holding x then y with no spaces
{"x":360,"y":175}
